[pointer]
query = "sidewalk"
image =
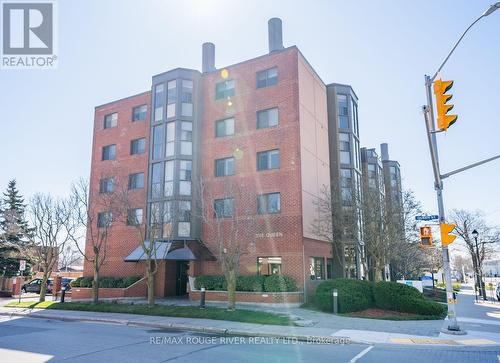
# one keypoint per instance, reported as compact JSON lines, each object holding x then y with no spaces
{"x":320,"y":332}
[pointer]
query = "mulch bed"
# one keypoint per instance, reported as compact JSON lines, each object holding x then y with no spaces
{"x":379,"y":313}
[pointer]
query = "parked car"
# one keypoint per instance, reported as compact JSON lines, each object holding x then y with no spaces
{"x":498,"y":291}
{"x":65,"y":282}
{"x":35,"y":286}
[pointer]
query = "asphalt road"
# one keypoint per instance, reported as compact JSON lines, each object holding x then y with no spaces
{"x":38,"y":340}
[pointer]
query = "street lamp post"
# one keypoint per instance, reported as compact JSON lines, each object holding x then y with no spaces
{"x":453,"y":326}
{"x":482,"y":290}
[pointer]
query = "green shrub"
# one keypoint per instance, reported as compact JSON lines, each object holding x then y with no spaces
{"x":353,"y":295}
{"x":76,"y":282}
{"x":106,"y":282}
{"x":86,"y":282}
{"x":211,"y":282}
{"x":279,"y":283}
{"x":127,"y":281}
{"x":250,"y":283}
{"x":404,"y":298}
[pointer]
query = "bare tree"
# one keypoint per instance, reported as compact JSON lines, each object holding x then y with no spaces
{"x":227,"y":217}
{"x":69,"y":256}
{"x":461,"y":265}
{"x":93,"y":224}
{"x":466,"y":222}
{"x":52,"y":229}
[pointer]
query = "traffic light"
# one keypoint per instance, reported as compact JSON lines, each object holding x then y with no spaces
{"x":440,"y":89}
{"x":446,"y":237}
{"x":426,"y":236}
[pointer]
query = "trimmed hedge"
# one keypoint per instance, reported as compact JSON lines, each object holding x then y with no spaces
{"x":106,"y":282}
{"x":435,"y":294}
{"x":353,"y":295}
{"x":404,"y":298}
{"x":255,"y":283}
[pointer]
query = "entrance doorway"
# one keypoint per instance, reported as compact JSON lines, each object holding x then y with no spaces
{"x":181,"y":278}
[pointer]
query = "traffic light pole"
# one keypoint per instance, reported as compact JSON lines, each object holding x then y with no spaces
{"x":453,"y":327}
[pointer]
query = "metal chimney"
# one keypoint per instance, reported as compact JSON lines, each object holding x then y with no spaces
{"x":275,"y":34}
{"x":384,"y":149}
{"x":208,"y":57}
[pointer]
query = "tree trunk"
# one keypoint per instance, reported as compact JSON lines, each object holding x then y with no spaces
{"x":231,"y":289}
{"x":151,"y":283}
{"x":43,"y":287}
{"x":95,"y":282}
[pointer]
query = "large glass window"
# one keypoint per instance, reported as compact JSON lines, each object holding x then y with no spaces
{"x":224,"y":167}
{"x":184,"y":225}
{"x":157,"y":180}
{"x":267,"y":160}
{"x":110,"y":120}
{"x":138,"y":146}
{"x":224,"y":89}
{"x":346,"y":186}
{"x":345,"y":148}
{"x":104,"y":219}
{"x":158,"y":142}
{"x":136,"y":181}
{"x":171,"y":98}
{"x":317,"y":268}
{"x":134,"y":217}
{"x":185,"y":177}
{"x":186,"y":138}
{"x":109,"y":152}
{"x":329,"y":268}
{"x":170,"y":146}
{"x":267,"y":78}
{"x":169,"y":178}
{"x":106,"y":185}
{"x":139,"y":113}
{"x":159,"y":101}
{"x":187,"y":98}
{"x":267,"y":118}
{"x":268,"y":266}
{"x":343,"y":111}
{"x":224,"y":208}
{"x":224,"y":127}
{"x":269,"y":203}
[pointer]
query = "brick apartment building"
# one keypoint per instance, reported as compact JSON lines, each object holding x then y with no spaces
{"x":250,"y":139}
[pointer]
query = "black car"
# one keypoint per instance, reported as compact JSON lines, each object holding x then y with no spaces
{"x":35,"y":286}
{"x":498,"y":291}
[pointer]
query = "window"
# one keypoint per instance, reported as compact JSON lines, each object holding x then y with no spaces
{"x":224,"y":167}
{"x":110,"y":120}
{"x":104,"y":219}
{"x":134,"y":217}
{"x":343,"y":112}
{"x":345,"y":148}
{"x":329,"y":268}
{"x":106,"y":185}
{"x":109,"y":152}
{"x":317,"y":268}
{"x":158,"y":142}
{"x":267,"y":118}
{"x":267,"y":160}
{"x":139,"y":113}
{"x":224,"y":208}
{"x":170,"y":148}
{"x":136,"y":181}
{"x":138,"y":146}
{"x":269,"y":203}
{"x":171,"y":98}
{"x":186,"y":138}
{"x":159,"y":101}
{"x":167,"y":219}
{"x":169,"y":178}
{"x":187,"y":98}
{"x":267,"y":78}
{"x":185,"y":177}
{"x":184,"y":225}
{"x":156,"y":180}
{"x":224,"y":89}
{"x":224,"y":127}
{"x":269,"y":266}
{"x":346,"y":186}
{"x":355,"y":118}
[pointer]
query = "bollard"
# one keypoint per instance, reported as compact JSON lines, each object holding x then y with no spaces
{"x":202,"y":298}
{"x":63,"y":292}
{"x":335,"y":302}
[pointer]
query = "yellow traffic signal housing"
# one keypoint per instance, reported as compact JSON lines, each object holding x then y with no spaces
{"x":426,"y":236}
{"x":440,"y":89}
{"x":446,"y":237}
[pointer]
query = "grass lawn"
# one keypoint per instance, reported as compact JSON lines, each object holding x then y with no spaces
{"x":244,"y":316}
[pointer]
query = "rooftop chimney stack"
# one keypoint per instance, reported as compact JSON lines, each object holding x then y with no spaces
{"x":275,"y":34}
{"x":384,"y":148}
{"x":208,"y":57}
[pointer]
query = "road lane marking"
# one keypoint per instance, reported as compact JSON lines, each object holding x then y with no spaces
{"x":362,"y":353}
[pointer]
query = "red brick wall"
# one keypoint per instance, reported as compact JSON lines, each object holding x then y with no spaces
{"x":123,"y":239}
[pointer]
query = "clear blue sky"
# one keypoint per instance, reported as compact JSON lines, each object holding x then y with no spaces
{"x":110,"y":49}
